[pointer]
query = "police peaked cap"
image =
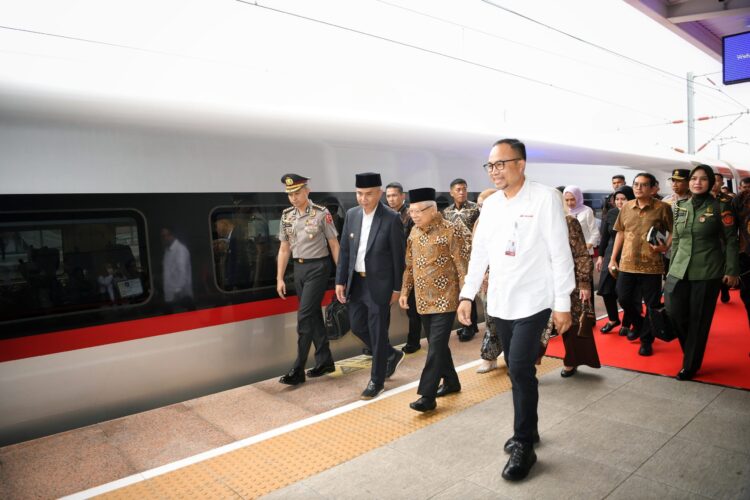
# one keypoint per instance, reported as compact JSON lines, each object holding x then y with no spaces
{"x":368,"y":180}
{"x":293,"y":182}
{"x":421,"y":194}
{"x":680,"y":174}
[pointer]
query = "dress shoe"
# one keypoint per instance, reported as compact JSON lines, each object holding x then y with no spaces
{"x":487,"y":366}
{"x":725,"y":295}
{"x":319,"y":371}
{"x":465,"y":334}
{"x":446,"y":389}
{"x":510,"y":443}
{"x":294,"y":377}
{"x":609,"y":326}
{"x":624,"y":331}
{"x":633,"y":335}
{"x":410,"y":349}
{"x":646,"y":350}
{"x":423,"y":404}
{"x":568,"y":373}
{"x":522,"y":458}
{"x":684,"y":375}
{"x":392,"y":363}
{"x":366,"y":351}
{"x":372,"y":390}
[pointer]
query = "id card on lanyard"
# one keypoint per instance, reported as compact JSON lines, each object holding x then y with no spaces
{"x":510,"y":246}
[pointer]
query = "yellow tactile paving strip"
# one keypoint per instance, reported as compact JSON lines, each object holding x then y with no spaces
{"x":277,"y":462}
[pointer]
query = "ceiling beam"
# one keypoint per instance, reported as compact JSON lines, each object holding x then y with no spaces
{"x":700,"y":10}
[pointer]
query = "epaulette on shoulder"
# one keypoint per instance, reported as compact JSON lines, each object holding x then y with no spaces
{"x":318,"y":207}
{"x":287,"y":212}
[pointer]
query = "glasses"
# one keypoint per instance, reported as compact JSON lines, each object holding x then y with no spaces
{"x":499,"y":165}
{"x":413,"y":212}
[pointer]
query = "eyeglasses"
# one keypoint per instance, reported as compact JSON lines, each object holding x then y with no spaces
{"x":413,"y":212}
{"x":499,"y":165}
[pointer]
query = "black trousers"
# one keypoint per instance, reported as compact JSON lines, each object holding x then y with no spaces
{"x":310,"y":281}
{"x":745,"y":282}
{"x":439,"y":364}
{"x":520,"y":339}
{"x":610,"y":303}
{"x":630,"y":288}
{"x":415,"y":321}
{"x":370,"y":322}
{"x":690,"y":306}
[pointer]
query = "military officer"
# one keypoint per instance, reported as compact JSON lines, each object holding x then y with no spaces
{"x":741,"y":206}
{"x":704,"y":254}
{"x":467,"y":212}
{"x":307,"y":233}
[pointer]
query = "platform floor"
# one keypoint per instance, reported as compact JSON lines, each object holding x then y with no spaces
{"x":606,"y":433}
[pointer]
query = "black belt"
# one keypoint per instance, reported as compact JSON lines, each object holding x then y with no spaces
{"x":305,"y":261}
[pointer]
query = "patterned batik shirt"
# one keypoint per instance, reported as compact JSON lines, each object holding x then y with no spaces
{"x":468,"y":213}
{"x":437,"y":257}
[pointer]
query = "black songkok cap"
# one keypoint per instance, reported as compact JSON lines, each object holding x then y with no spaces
{"x":680,"y":174}
{"x":293,"y":182}
{"x":421,"y":194}
{"x":368,"y":180}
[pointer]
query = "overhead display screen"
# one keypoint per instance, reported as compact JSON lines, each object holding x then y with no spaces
{"x":736,"y":51}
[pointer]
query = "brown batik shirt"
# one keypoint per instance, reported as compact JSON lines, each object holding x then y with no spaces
{"x":634,"y":223}
{"x":437,"y":257}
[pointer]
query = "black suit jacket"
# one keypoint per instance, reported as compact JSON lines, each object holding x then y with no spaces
{"x":384,"y":257}
{"x":237,"y":270}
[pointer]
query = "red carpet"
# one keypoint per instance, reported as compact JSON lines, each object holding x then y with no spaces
{"x":727,"y":359}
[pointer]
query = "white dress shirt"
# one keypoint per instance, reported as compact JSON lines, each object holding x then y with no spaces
{"x":590,"y":228}
{"x":178,"y":275}
{"x":524,"y":240}
{"x":359,"y":263}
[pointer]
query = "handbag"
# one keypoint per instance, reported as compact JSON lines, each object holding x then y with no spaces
{"x":336,"y":319}
{"x":661,"y":326}
{"x":587,"y":321}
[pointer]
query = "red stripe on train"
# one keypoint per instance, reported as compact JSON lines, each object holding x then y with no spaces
{"x":92,"y":336}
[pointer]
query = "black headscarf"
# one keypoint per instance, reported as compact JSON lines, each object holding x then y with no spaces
{"x":627,"y":191}
{"x":699,"y":199}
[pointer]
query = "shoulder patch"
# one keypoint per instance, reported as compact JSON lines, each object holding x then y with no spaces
{"x":329,"y":219}
{"x":727,"y":218}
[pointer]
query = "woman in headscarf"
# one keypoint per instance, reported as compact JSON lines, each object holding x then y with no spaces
{"x":705,"y":253}
{"x":573,"y":198}
{"x":607,"y":282}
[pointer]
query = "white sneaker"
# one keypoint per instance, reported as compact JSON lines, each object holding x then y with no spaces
{"x":487,"y":366}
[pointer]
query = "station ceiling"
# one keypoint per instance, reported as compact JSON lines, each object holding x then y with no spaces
{"x":701,"y":22}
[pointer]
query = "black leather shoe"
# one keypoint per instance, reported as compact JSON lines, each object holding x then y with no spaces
{"x":624,"y":331}
{"x":633,"y":335}
{"x":392,"y":363}
{"x":410,"y":349}
{"x":609,"y":326}
{"x":294,"y":377}
{"x":725,"y":295}
{"x":684,"y":375}
{"x":522,"y":458}
{"x":510,"y":443}
{"x":568,"y":373}
{"x":319,"y":371}
{"x":423,"y":404}
{"x":372,"y":390}
{"x":646,"y":350}
{"x":465,"y":334}
{"x":444,"y":390}
{"x":366,"y":351}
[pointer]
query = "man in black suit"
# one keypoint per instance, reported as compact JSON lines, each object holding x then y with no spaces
{"x":368,"y":275}
{"x":236,"y":271}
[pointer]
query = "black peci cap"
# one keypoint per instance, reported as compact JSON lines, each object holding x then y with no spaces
{"x":421,"y":194}
{"x":293,"y":182}
{"x":368,"y":180}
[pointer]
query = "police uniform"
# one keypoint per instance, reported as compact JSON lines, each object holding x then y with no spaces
{"x":307,"y":233}
{"x":704,"y":249}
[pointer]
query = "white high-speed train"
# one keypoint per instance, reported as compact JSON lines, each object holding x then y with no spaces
{"x":88,"y":191}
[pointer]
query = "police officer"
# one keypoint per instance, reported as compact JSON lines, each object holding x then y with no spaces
{"x":704,"y":254}
{"x":306,"y":233}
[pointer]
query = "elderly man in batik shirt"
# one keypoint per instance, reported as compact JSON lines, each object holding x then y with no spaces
{"x":437,"y":255}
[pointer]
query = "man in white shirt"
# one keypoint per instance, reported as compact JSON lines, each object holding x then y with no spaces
{"x":178,"y":273}
{"x":523,"y":237}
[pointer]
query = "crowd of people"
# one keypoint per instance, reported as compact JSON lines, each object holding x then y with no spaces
{"x":529,"y":258}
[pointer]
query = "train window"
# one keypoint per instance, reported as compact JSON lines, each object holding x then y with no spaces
{"x":245,"y":245}
{"x":70,"y":261}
